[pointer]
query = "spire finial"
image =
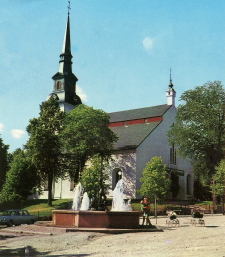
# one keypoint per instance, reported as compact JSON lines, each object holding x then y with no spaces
{"x":68,"y":7}
{"x":170,"y":76}
{"x":171,"y":84}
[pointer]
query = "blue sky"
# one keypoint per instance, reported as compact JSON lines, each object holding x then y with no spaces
{"x":122,"y":53}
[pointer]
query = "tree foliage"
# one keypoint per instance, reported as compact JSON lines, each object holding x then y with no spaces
{"x":218,"y":187}
{"x":94,"y":179}
{"x":4,"y":162}
{"x":21,"y":180}
{"x":199,"y":128}
{"x":201,"y":192}
{"x":44,"y":144}
{"x":154,"y":180}
{"x":85,"y":134}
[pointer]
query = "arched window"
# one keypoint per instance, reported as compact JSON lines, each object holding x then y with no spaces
{"x":116,"y":176}
{"x":173,"y":157}
{"x":189,"y":191}
{"x":58,"y":85}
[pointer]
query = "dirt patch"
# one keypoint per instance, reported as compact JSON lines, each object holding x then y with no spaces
{"x":186,"y":240}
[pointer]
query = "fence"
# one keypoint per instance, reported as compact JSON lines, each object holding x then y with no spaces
{"x":42,"y":215}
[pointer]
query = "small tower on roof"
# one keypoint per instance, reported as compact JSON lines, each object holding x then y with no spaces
{"x":170,"y":93}
{"x":64,"y":80}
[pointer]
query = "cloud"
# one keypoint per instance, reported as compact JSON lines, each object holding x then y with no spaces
{"x":1,"y":127}
{"x":81,"y":94}
{"x":148,"y":43}
{"x":17,"y":133}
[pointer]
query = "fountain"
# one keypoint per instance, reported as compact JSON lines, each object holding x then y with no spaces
{"x":118,"y":204}
{"x":85,"y":203}
{"x":77,"y":197}
{"x":120,"y":216}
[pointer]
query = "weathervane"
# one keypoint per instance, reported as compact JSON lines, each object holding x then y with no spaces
{"x":69,"y":8}
{"x":171,"y":84}
{"x":170,"y":76}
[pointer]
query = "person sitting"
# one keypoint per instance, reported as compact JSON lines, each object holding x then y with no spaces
{"x":197,"y":214}
{"x":171,"y":214}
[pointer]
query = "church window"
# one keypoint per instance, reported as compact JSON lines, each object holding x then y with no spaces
{"x":189,"y":184}
{"x":58,"y":85}
{"x":173,"y":157}
{"x":116,"y":176}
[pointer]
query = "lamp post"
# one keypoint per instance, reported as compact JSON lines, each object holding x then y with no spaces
{"x":213,"y":181}
{"x":155,"y":209}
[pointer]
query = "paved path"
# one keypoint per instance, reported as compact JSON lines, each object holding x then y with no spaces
{"x":186,"y":240}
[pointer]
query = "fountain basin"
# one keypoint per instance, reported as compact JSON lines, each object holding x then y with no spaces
{"x":96,"y":219}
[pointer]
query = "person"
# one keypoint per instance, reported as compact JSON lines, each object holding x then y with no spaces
{"x":171,"y":215}
{"x":196,"y":213}
{"x":145,"y":207}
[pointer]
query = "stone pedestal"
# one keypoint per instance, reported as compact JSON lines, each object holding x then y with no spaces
{"x":96,"y":219}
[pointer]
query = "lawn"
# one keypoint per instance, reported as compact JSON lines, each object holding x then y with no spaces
{"x":39,"y":206}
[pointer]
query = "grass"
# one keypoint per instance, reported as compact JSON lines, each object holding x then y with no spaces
{"x":39,"y":206}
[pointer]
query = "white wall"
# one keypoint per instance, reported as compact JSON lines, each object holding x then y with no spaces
{"x":156,"y":145}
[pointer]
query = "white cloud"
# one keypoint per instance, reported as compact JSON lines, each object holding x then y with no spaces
{"x":148,"y":43}
{"x":17,"y":133}
{"x":81,"y":94}
{"x":1,"y":127}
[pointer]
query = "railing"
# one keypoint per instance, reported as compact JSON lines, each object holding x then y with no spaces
{"x":42,"y":215}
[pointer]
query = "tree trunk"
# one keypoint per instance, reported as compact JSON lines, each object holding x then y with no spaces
{"x":50,"y":180}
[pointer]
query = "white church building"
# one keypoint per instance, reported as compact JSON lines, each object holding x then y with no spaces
{"x":141,"y":132}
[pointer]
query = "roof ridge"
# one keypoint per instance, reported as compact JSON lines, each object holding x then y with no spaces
{"x":141,"y":113}
{"x":140,"y":108}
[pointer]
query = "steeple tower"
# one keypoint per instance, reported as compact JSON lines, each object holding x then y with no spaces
{"x":170,"y":93}
{"x":64,"y":80}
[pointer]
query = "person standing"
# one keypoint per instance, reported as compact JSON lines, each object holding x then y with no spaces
{"x":145,"y":207}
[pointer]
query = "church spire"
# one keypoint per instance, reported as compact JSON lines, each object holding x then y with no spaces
{"x":65,"y":63}
{"x":170,"y":93}
{"x":64,"y":79}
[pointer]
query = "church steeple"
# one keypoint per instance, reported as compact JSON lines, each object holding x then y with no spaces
{"x":65,"y":63}
{"x":170,"y":93}
{"x":64,"y":80}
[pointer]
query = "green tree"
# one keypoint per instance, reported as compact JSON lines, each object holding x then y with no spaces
{"x":4,"y":162}
{"x":94,"y":179}
{"x":199,"y":128}
{"x":44,"y":145}
{"x":154,"y":180}
{"x":21,"y":180}
{"x":201,"y":191}
{"x":85,"y":134}
{"x":218,"y":187}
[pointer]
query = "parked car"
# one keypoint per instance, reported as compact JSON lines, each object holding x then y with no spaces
{"x":17,"y":217}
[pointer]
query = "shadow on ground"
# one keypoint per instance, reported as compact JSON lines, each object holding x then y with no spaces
{"x":6,"y":237}
{"x":19,"y":252}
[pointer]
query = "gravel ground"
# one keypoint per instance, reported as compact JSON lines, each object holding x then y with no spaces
{"x":186,"y":240}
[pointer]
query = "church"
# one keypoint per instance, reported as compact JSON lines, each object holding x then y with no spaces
{"x":141,"y":132}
